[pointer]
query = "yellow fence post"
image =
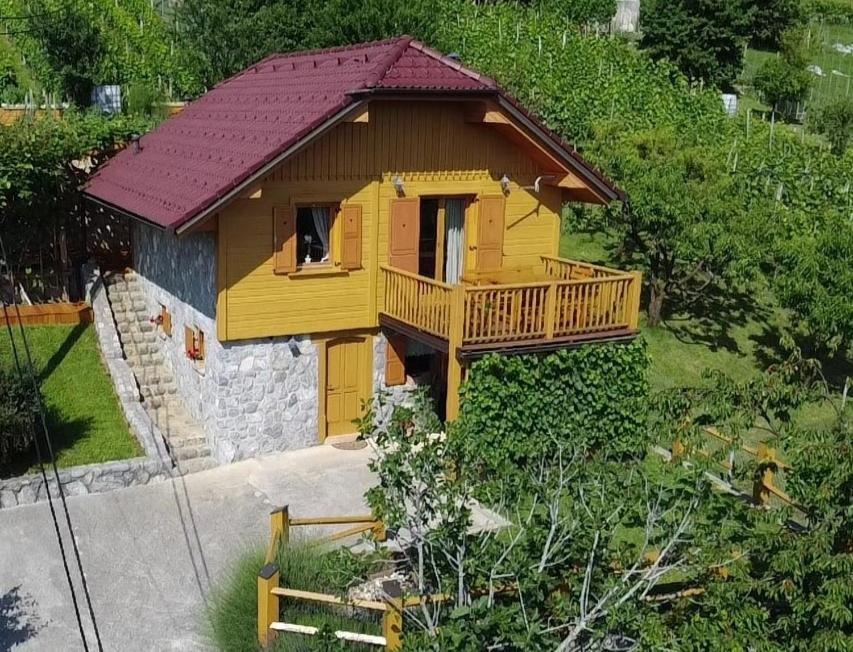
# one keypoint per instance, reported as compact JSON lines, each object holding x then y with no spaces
{"x":764,"y":475}
{"x":454,"y":367}
{"x":379,"y":531}
{"x":392,"y":617}
{"x":634,"y":300}
{"x":268,"y":579}
{"x":279,"y":531}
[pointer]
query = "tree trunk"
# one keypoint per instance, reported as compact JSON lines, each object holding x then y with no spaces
{"x":657,"y":293}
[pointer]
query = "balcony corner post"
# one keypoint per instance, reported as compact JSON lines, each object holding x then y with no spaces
{"x":634,"y":301}
{"x":454,"y":366}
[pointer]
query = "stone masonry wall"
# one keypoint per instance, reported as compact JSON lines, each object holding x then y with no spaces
{"x":252,"y":397}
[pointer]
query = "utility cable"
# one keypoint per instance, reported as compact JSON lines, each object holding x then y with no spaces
{"x":47,"y":488}
{"x":50,"y":452}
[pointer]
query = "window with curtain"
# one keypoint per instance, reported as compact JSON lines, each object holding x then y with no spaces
{"x":313,"y":234}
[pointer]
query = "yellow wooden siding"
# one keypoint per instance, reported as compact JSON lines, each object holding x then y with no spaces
{"x":435,"y":152}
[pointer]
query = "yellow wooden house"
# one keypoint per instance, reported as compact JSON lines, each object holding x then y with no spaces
{"x":359,"y":217}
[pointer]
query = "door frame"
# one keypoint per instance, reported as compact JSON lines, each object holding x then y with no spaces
{"x":365,"y":387}
{"x":469,"y":199}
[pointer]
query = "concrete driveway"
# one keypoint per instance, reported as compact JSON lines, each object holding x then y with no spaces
{"x":152,"y":553}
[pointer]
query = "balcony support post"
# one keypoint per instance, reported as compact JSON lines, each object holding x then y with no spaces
{"x":454,"y":366}
{"x":634,"y":301}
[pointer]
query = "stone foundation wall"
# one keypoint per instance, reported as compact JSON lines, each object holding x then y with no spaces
{"x":252,"y":397}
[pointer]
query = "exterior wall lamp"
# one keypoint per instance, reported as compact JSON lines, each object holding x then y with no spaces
{"x":397,"y":181}
{"x":505,"y":184}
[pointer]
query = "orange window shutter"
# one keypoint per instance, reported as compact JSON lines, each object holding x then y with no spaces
{"x":405,"y":234}
{"x":167,"y":322}
{"x":351,"y":248}
{"x":285,"y":239}
{"x":201,"y":345}
{"x":189,"y":344}
{"x":395,"y":361}
{"x":490,"y":236}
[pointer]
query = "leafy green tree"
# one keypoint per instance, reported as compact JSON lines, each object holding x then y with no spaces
{"x":771,"y":19}
{"x":340,"y":22}
{"x":835,"y":122}
{"x":703,"y":38}
{"x":781,"y":83}
{"x":230,"y":35}
{"x":813,"y":279}
{"x":682,"y":215}
{"x":73,"y":44}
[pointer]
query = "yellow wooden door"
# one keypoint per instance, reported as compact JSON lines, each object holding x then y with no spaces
{"x":346,"y":370}
{"x":490,"y":234}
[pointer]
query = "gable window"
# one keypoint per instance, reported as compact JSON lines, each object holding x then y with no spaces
{"x":313,"y":235}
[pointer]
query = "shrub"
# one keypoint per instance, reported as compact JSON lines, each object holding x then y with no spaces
{"x":18,"y":413}
{"x":515,"y":407}
{"x":835,"y":121}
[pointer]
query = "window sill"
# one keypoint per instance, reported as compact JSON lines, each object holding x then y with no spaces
{"x":319,"y":270}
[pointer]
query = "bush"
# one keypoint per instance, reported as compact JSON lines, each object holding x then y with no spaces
{"x":18,"y":414}
{"x":593,"y":397}
{"x":835,"y":121}
{"x":780,"y":82}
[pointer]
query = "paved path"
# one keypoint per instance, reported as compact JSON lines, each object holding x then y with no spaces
{"x":152,"y":553}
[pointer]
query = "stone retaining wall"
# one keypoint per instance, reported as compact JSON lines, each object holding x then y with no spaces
{"x":82,"y":480}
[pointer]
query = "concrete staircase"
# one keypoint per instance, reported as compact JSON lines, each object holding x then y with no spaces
{"x":184,"y":436}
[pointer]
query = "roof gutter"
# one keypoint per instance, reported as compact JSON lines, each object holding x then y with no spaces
{"x":267,"y":167}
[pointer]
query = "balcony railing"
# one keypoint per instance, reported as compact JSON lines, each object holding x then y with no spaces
{"x":570,"y":300}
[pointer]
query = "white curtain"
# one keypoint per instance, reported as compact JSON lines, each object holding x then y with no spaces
{"x":454,"y":217}
{"x":321,"y":223}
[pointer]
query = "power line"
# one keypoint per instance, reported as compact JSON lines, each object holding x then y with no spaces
{"x":52,"y":458}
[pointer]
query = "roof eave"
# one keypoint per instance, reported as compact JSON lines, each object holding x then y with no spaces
{"x":265,"y":168}
{"x":118,"y":210}
{"x":599,"y":185}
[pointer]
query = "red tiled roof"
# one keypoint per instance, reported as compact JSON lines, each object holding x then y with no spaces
{"x":222,"y":139}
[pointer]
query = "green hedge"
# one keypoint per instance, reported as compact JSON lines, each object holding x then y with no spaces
{"x":515,"y":408}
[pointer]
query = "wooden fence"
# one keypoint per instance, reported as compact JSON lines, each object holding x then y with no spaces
{"x":764,"y":484}
{"x":270,"y":591}
{"x":49,"y":313}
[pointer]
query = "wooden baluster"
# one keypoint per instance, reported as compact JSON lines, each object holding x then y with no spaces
{"x":551,"y":311}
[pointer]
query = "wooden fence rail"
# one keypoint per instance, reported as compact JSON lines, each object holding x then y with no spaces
{"x":764,"y":485}
{"x":418,"y":301}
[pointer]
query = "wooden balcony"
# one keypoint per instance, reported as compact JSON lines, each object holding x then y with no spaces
{"x":553,"y":305}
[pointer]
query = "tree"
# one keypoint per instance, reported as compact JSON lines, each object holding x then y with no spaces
{"x":785,"y":80}
{"x":771,"y":19}
{"x":813,"y":278}
{"x":682,"y":216}
{"x":781,"y":83}
{"x":835,"y":122}
{"x":341,"y":22}
{"x":703,"y":38}
{"x":229,"y":35}
{"x":73,"y":45}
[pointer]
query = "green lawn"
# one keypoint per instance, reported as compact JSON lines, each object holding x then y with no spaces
{"x":84,"y":418}
{"x":736,"y":332}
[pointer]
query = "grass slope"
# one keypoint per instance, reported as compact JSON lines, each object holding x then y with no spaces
{"x":84,"y":417}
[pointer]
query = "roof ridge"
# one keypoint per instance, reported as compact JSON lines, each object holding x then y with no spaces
{"x":452,"y":63}
{"x":389,"y":60}
{"x":328,"y":50}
